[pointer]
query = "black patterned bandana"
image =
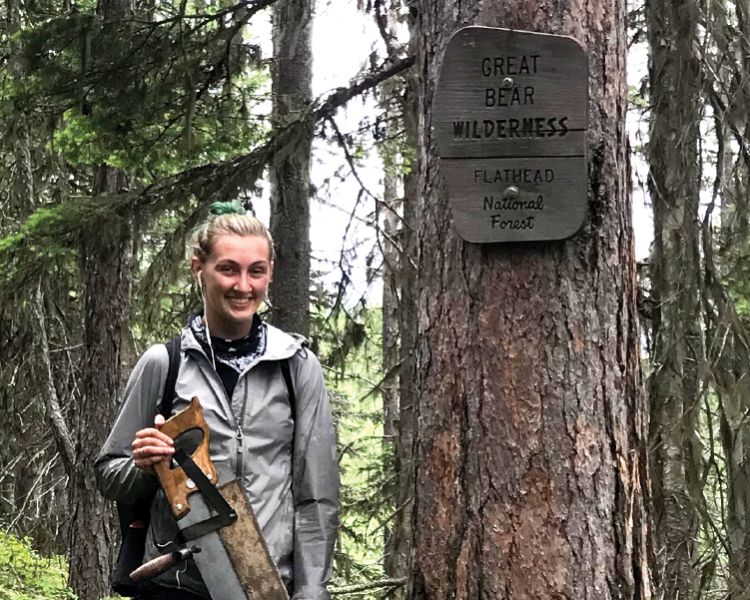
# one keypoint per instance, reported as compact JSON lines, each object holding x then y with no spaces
{"x":236,"y":354}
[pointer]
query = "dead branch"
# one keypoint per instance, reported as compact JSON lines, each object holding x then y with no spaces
{"x":213,"y":181}
{"x":52,"y":408}
{"x":366,"y":587}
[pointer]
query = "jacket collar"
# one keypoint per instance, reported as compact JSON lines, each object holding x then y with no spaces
{"x":279,"y":344}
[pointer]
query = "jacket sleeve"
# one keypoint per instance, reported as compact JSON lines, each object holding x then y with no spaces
{"x":117,"y":476}
{"x":315,"y":481}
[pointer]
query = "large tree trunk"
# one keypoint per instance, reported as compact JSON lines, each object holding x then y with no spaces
{"x":105,"y":258}
{"x":105,"y":266}
{"x":290,"y":177}
{"x":679,"y":356}
{"x":530,"y":447}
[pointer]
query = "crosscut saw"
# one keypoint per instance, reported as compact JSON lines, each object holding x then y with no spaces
{"x":216,"y":523}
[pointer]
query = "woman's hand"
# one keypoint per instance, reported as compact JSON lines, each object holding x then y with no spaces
{"x":151,"y":446}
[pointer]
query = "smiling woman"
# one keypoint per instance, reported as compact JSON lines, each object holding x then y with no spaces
{"x":265,"y":403}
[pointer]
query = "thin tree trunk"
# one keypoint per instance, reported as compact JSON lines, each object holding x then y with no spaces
{"x":728,"y":350}
{"x":26,"y":476}
{"x":679,"y":356}
{"x":531,"y":455}
{"x":290,"y":176}
{"x":19,"y":205}
{"x":733,"y":358}
{"x":391,"y":96}
{"x":400,"y":548}
{"x":734,"y":435}
{"x":390,"y":330}
{"x":402,"y":534}
{"x":52,"y":406}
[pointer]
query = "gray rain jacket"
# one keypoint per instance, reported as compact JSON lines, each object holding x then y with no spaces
{"x":286,"y":462}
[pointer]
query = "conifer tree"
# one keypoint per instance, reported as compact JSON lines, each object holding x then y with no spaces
{"x":531,"y":464}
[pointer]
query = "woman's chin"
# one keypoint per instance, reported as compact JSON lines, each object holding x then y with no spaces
{"x":242,"y":313}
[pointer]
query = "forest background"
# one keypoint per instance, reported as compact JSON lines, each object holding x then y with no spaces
{"x":122,"y":121}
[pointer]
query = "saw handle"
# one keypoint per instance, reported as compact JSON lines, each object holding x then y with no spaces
{"x":175,"y":482}
{"x":160,"y":564}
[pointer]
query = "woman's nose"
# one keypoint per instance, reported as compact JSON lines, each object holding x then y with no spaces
{"x":244,"y":283}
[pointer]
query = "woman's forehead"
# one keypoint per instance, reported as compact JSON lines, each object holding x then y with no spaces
{"x":240,"y":248}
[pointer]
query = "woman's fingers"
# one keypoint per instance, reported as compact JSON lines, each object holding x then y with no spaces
{"x":146,"y":451}
{"x":152,"y":432}
{"x":151,"y":446}
{"x":146,"y":456}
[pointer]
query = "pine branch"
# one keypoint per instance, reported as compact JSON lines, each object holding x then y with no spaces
{"x":56,"y":229}
{"x":216,"y":181}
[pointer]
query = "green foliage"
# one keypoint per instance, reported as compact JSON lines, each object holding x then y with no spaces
{"x":153,"y":96}
{"x":24,"y":575}
{"x":162,"y":283}
{"x":150,"y":97}
{"x":45,"y":239}
{"x":637,"y":98}
{"x":350,"y":348}
{"x":733,"y":256}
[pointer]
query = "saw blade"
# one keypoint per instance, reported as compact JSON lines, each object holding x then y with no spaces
{"x":247,"y":549}
{"x":234,"y":560}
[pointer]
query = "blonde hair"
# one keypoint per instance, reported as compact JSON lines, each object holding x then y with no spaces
{"x":228,"y":224}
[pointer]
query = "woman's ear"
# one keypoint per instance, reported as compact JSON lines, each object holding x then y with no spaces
{"x":196,"y":268}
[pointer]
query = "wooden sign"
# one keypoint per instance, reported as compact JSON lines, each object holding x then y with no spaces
{"x":510,"y":122}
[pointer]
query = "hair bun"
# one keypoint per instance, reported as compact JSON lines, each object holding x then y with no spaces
{"x":232,"y":207}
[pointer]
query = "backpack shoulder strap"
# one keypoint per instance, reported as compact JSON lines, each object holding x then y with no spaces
{"x":173,"y":349}
{"x":287,"y":374}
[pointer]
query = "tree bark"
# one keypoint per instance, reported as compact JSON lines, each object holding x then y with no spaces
{"x":105,"y":261}
{"x":723,"y":253}
{"x":530,"y":442}
{"x":290,"y":175}
{"x":679,"y":356}
{"x":400,"y":548}
{"x":105,"y":267}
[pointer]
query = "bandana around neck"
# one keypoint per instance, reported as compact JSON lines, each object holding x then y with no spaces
{"x":236,"y":354}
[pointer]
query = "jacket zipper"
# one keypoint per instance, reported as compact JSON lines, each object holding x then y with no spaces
{"x":239,"y":469}
{"x":238,"y":423}
{"x":240,"y":436}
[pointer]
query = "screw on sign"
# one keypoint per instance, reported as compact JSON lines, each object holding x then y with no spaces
{"x":510,"y":119}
